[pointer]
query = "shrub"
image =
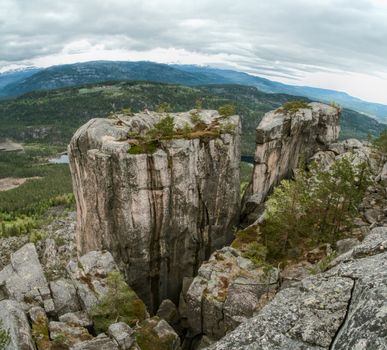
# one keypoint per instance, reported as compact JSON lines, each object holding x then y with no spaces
{"x":199,"y":104}
{"x":293,"y":107}
{"x":196,"y":118}
{"x":256,"y":252}
{"x":120,"y":304}
{"x":164,"y":107}
{"x":314,"y":208}
{"x":162,"y":129}
{"x":381,"y":142}
{"x":4,"y":337}
{"x":227,"y":110}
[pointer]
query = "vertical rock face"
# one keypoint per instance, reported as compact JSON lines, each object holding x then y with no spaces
{"x":282,"y":138}
{"x":160,"y":214}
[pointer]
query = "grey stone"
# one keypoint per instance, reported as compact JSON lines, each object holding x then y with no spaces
{"x":226,"y":292}
{"x":122,"y":334}
{"x":345,"y":245}
{"x":168,"y":312}
{"x":72,"y":333}
{"x":24,"y":275}
{"x":101,"y":342}
{"x":159,"y":214}
{"x":79,"y":318}
{"x":16,"y":323}
{"x":65,"y":296}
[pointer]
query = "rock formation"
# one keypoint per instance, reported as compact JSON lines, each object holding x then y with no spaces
{"x":343,"y":308}
{"x":281,"y":139}
{"x":160,"y":214}
{"x":228,"y":290}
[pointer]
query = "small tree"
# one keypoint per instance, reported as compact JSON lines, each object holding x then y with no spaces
{"x":316,"y":207}
{"x":227,"y":110}
{"x":163,"y":129}
{"x":164,"y":107}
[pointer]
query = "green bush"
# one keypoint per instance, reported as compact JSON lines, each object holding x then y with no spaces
{"x":381,"y":142}
{"x":293,"y":107}
{"x":162,"y":129}
{"x":4,"y":337}
{"x":120,"y":304}
{"x":227,"y":110}
{"x":164,"y":107}
{"x":316,"y":207}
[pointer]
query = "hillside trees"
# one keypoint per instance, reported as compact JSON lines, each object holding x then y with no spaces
{"x":316,"y":207}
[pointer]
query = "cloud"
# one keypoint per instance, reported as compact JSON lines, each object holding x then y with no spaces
{"x":283,"y":38}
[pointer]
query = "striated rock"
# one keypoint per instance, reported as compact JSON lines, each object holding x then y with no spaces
{"x":343,"y":308}
{"x":345,"y":245}
{"x":102,"y":342}
{"x":282,"y":139}
{"x":122,"y":334}
{"x":16,"y":323}
{"x":226,"y":292}
{"x":160,"y":214}
{"x":23,"y":278}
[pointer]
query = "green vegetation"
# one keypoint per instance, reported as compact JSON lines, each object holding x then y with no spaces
{"x":40,"y":332}
{"x":381,"y":142}
{"x":293,"y":107}
{"x":120,"y":304}
{"x":227,"y":110}
{"x":4,"y":337}
{"x":148,"y":339}
{"x":164,"y":107}
{"x":164,"y":129}
{"x":316,"y":207}
{"x":53,"y":116}
{"x":22,"y":209}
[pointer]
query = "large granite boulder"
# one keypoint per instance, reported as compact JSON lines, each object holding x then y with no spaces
{"x":343,"y":308}
{"x":281,"y":139}
{"x":228,"y":290}
{"x":163,"y":212}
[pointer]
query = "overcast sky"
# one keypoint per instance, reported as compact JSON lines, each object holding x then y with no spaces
{"x":337,"y":44}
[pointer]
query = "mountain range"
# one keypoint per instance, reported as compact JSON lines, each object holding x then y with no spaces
{"x":19,"y":82}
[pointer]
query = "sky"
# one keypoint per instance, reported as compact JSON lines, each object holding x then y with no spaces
{"x":335,"y":44}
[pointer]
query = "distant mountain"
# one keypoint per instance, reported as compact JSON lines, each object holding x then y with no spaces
{"x":13,"y":76}
{"x":100,"y":71}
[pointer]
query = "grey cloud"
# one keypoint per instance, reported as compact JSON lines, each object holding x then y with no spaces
{"x":282,"y":37}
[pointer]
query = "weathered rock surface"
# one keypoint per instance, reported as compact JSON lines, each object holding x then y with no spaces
{"x":23,"y":279}
{"x":160,"y":214}
{"x":226,"y":292}
{"x":343,"y":308}
{"x":281,"y":140}
{"x":16,"y":323}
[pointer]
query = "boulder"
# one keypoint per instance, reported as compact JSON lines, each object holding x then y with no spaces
{"x":122,"y":334}
{"x":64,"y":296}
{"x":228,"y":290}
{"x":154,"y":333}
{"x":159,"y":213}
{"x":79,"y":318}
{"x":168,"y":312}
{"x":23,"y":279}
{"x":16,"y":323}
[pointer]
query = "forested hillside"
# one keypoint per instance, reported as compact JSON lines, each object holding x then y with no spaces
{"x":53,"y":116}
